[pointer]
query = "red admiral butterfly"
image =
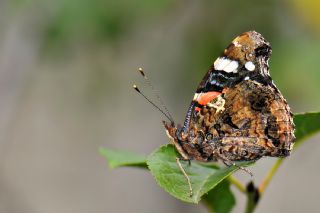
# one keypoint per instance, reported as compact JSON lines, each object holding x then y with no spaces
{"x":237,"y":112}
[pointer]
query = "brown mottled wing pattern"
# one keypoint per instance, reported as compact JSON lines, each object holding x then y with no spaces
{"x":256,"y":122}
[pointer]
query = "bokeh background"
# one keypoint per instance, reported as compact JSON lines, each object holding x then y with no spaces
{"x":66,"y":75}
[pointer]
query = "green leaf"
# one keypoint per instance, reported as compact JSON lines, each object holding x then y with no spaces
{"x":163,"y":166}
{"x":220,"y":199}
{"x":123,"y":158}
{"x":307,"y":124}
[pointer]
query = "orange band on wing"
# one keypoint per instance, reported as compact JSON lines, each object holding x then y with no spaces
{"x":205,"y":98}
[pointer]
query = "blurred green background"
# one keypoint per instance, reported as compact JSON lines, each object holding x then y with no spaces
{"x":66,"y":71}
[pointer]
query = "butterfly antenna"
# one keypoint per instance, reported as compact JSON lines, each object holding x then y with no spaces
{"x":156,"y":93}
{"x":152,"y":103}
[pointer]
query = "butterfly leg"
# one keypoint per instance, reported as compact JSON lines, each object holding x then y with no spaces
{"x":243,"y":169}
{"x":229,"y":163}
{"x":184,"y":157}
{"x":185,"y":174}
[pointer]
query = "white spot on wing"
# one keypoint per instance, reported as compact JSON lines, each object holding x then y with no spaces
{"x":221,"y":63}
{"x":231,"y":67}
{"x":246,"y":78}
{"x":250,"y":66}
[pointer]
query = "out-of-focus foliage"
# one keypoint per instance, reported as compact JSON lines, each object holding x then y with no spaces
{"x":99,"y":21}
{"x":308,"y":11}
{"x":220,"y":199}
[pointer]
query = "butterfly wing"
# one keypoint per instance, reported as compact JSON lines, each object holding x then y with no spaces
{"x":237,"y":113}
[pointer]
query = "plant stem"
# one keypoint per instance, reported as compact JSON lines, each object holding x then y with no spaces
{"x":265,"y":182}
{"x":254,"y":194}
{"x":237,"y":184}
{"x":251,"y":205}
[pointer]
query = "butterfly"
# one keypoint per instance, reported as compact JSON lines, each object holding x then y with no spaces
{"x":237,"y":112}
